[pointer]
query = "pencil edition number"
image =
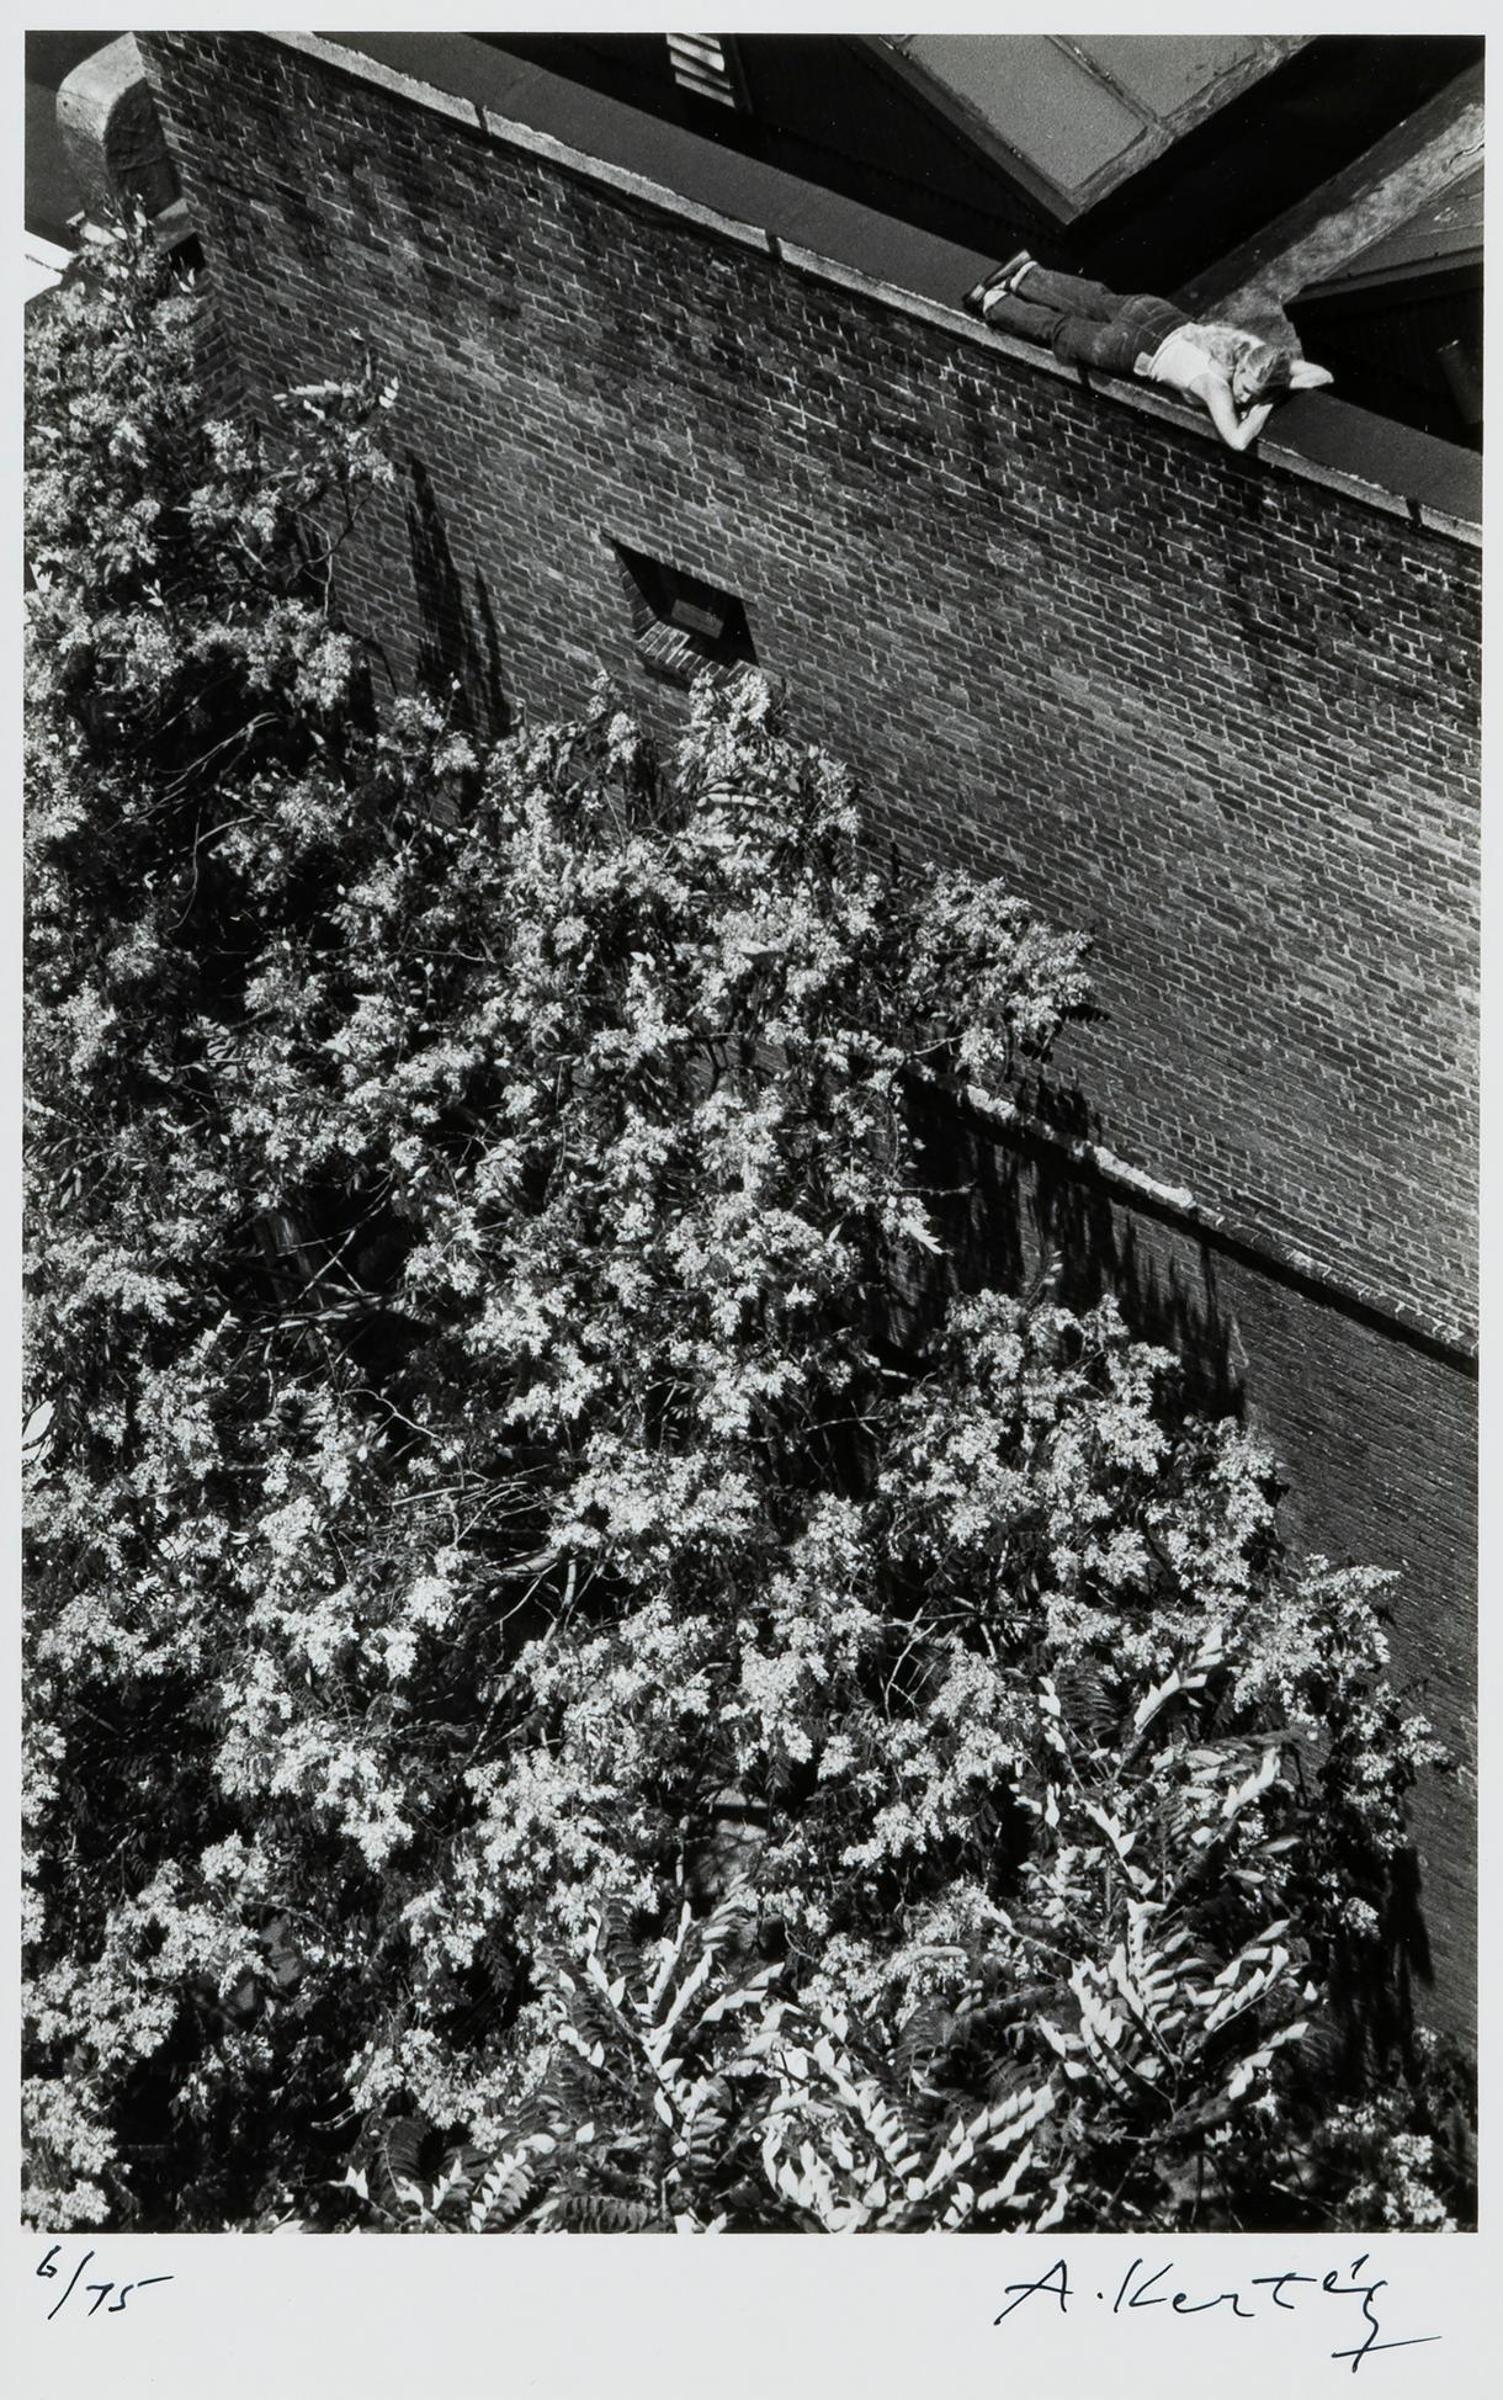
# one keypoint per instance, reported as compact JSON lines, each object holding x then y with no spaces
{"x":49,"y":2271}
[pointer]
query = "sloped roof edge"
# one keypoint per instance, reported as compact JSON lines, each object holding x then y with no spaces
{"x":1442,"y":235}
{"x":891,"y":51}
{"x":1075,"y":117}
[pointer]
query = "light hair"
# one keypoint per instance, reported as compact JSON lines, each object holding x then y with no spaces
{"x":1266,"y":370}
{"x":1266,"y":366}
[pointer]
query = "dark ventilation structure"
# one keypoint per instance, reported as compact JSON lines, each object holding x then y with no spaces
{"x":706,"y":65}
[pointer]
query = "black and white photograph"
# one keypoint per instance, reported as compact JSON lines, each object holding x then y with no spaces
{"x":751,"y":989}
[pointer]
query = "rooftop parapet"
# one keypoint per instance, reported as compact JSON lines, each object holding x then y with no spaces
{"x":822,"y":234}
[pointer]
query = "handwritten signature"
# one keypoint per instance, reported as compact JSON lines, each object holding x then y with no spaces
{"x":1137,"y":2290}
{"x":123,"y":2291}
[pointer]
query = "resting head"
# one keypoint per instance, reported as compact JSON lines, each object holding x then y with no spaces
{"x":1265,"y":371}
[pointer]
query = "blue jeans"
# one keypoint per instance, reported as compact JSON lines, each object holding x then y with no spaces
{"x":1083,"y":322}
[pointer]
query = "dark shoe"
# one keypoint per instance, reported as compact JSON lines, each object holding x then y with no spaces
{"x":998,"y":284}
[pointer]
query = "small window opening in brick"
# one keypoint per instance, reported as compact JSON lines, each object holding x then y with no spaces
{"x":682,"y":623}
{"x":706,"y":65}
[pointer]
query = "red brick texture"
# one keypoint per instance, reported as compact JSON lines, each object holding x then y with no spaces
{"x":1219,"y":713}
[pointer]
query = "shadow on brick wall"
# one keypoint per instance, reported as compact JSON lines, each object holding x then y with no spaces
{"x":1017,"y":1216}
{"x":459,"y":646}
{"x":1172,"y":1301}
{"x":1015,"y":1213}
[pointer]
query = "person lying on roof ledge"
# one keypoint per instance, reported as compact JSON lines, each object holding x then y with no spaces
{"x":1237,"y":377}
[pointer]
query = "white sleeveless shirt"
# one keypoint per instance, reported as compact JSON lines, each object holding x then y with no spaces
{"x":1194,"y":350}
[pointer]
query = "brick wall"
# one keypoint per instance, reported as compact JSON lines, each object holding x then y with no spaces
{"x":1374,"y":1426}
{"x":1220,"y":713}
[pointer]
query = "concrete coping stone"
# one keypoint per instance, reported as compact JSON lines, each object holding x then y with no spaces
{"x":388,"y":79}
{"x":1453,"y":1339}
{"x":1144,"y":402}
{"x":1456,"y":529}
{"x":625,"y":179}
{"x":517,"y":136}
{"x":513,"y":134}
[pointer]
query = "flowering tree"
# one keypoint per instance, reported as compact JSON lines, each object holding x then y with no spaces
{"x":539,"y":1699}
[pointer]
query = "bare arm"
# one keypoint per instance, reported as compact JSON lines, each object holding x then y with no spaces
{"x":1238,"y":433}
